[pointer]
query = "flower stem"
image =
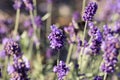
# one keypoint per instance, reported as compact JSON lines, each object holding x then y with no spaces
{"x":83,"y":6}
{"x":17,"y":21}
{"x":84,"y":31}
{"x":35,"y":7}
{"x":33,"y":23}
{"x":48,"y":22}
{"x":69,"y":53}
{"x":105,"y":76}
{"x":58,"y":57}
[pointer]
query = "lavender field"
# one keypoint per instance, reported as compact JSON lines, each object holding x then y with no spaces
{"x":59,"y":39}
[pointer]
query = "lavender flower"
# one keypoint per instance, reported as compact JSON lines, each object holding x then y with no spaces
{"x":70,"y":30}
{"x":90,"y":11}
{"x":17,"y":4}
{"x":19,"y":69}
{"x":12,"y":48}
{"x":76,"y":16}
{"x":98,"y":78}
{"x":28,"y":4}
{"x":37,"y":20}
{"x":107,"y":31}
{"x":111,"y":47}
{"x":96,"y":36}
{"x":61,"y":69}
{"x":56,"y":38}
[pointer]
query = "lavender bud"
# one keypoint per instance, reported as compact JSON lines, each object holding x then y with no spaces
{"x":61,"y":69}
{"x":56,"y":38}
{"x":90,"y":11}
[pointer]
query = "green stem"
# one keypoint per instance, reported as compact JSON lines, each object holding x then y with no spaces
{"x":33,"y":23}
{"x":5,"y":69}
{"x":48,"y":22}
{"x":83,"y":6}
{"x":17,"y":21}
{"x":35,"y":7}
{"x":69,"y":53}
{"x":105,"y":76}
{"x":30,"y":49}
{"x":84,"y":31}
{"x":58,"y":57}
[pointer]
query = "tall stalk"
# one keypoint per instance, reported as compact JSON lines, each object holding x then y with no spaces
{"x":17,"y":22}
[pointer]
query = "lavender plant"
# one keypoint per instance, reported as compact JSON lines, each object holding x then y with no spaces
{"x":37,"y":44}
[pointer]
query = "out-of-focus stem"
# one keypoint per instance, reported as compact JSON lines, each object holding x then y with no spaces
{"x":48,"y":23}
{"x":35,"y":7}
{"x":5,"y":69}
{"x":58,"y":57}
{"x":30,"y":49}
{"x":84,"y":31}
{"x":33,"y":23}
{"x":83,"y":6}
{"x":69,"y":53}
{"x":16,"y":22}
{"x":105,"y":76}
{"x":82,"y":50}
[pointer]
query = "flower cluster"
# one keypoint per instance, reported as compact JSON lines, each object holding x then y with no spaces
{"x":90,"y":11}
{"x":107,"y":31}
{"x":111,"y":48}
{"x":96,"y":36}
{"x":18,"y":70}
{"x":98,"y":78}
{"x":61,"y":69}
{"x":56,"y":38}
{"x":12,"y":48}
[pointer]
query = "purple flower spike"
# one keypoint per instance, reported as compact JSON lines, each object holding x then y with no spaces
{"x":19,"y":69}
{"x":97,"y":38}
{"x":111,"y":50}
{"x":90,"y":11}
{"x":12,"y":48}
{"x":98,"y":78}
{"x":61,"y":69}
{"x":56,"y":38}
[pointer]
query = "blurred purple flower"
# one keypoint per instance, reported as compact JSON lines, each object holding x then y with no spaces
{"x":97,"y":38}
{"x":61,"y":69}
{"x":12,"y":48}
{"x":2,"y":54}
{"x":30,"y":32}
{"x":4,"y":41}
{"x":28,"y":4}
{"x":17,"y":4}
{"x":19,"y":69}
{"x":76,"y":16}
{"x":117,"y":28}
{"x":98,"y":78}
{"x":90,"y":11}
{"x":49,"y":53}
{"x":111,"y":51}
{"x":56,"y":38}
{"x":106,"y":31}
{"x":38,"y":21}
{"x":70,"y":30}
